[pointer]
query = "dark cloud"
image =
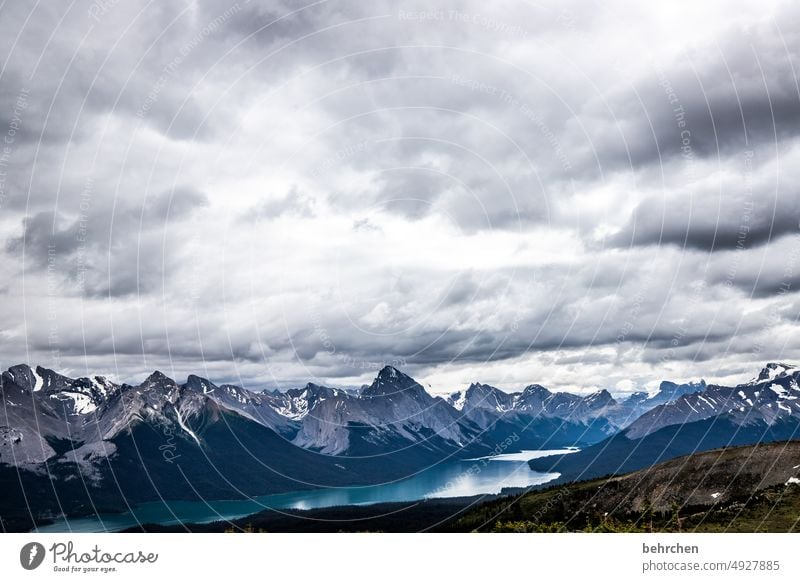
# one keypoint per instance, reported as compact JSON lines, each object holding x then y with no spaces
{"x":715,"y":100}
{"x":44,"y":237}
{"x":711,"y":222}
{"x":173,"y":205}
{"x":449,"y":186}
{"x":770,"y":272}
{"x":108,"y":251}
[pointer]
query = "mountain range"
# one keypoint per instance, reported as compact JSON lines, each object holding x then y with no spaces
{"x":80,"y":443}
{"x":765,"y":409}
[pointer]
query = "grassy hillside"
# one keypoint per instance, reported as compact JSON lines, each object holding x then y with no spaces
{"x":618,"y":454}
{"x":744,"y":489}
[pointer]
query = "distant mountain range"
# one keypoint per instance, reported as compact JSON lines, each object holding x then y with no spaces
{"x":765,"y":409}
{"x":82,"y":442}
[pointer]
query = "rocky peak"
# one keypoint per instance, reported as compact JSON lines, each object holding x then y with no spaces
{"x":536,"y":390}
{"x":199,"y":385}
{"x":637,"y":398}
{"x":773,"y":371}
{"x":390,"y":374}
{"x":390,"y":380}
{"x":22,"y":375}
{"x":158,"y":380}
{"x":599,"y":399}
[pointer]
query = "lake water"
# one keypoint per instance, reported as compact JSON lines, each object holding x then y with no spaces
{"x":486,"y":475}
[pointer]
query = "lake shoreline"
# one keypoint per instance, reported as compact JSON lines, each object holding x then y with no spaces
{"x":463,"y":479}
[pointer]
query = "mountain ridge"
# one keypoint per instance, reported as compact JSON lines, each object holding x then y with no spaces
{"x":89,"y":439}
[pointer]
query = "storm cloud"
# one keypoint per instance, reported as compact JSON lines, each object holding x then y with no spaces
{"x":576,"y":194}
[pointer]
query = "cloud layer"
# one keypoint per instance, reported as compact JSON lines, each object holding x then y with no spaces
{"x":576,"y":194}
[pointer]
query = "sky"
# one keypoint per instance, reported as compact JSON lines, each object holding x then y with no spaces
{"x":579,"y":194}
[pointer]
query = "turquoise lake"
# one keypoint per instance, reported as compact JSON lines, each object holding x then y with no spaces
{"x":487,"y":475}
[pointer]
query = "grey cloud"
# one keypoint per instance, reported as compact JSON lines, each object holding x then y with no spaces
{"x":583,"y":359}
{"x":660,"y":355}
{"x":44,"y":238}
{"x":769,"y":271}
{"x":463,"y":290}
{"x":147,"y":77}
{"x":653,"y":223}
{"x":409,"y":192}
{"x":422,"y":175}
{"x":650,"y":315}
{"x":174,"y":205}
{"x":294,"y":203}
{"x":108,"y":251}
{"x":720,"y":214}
{"x":736,"y":93}
{"x":520,"y":124}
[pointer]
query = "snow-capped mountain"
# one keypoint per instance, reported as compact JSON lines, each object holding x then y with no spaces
{"x":774,"y":371}
{"x":669,"y":391}
{"x":88,"y":441}
{"x":43,"y":408}
{"x":393,"y":413}
{"x":483,"y":403}
{"x":773,"y":395}
{"x":624,"y":412}
{"x":77,"y":441}
{"x":702,"y":417}
{"x":394,"y":407}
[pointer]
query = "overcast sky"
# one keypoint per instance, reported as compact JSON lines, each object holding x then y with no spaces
{"x":579,"y":194}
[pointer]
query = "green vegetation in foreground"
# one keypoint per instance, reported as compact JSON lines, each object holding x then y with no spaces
{"x":573,"y":508}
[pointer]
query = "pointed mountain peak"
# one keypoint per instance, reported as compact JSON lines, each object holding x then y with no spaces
{"x":478,"y":387}
{"x":158,"y":377}
{"x":600,"y":398}
{"x":390,"y":374}
{"x":667,"y":386}
{"x":777,"y":365}
{"x":390,"y":380}
{"x":481,"y":396}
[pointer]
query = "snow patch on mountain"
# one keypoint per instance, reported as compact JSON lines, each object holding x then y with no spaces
{"x":185,"y":427}
{"x":774,"y":371}
{"x":38,"y":381}
{"x":80,"y":403}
